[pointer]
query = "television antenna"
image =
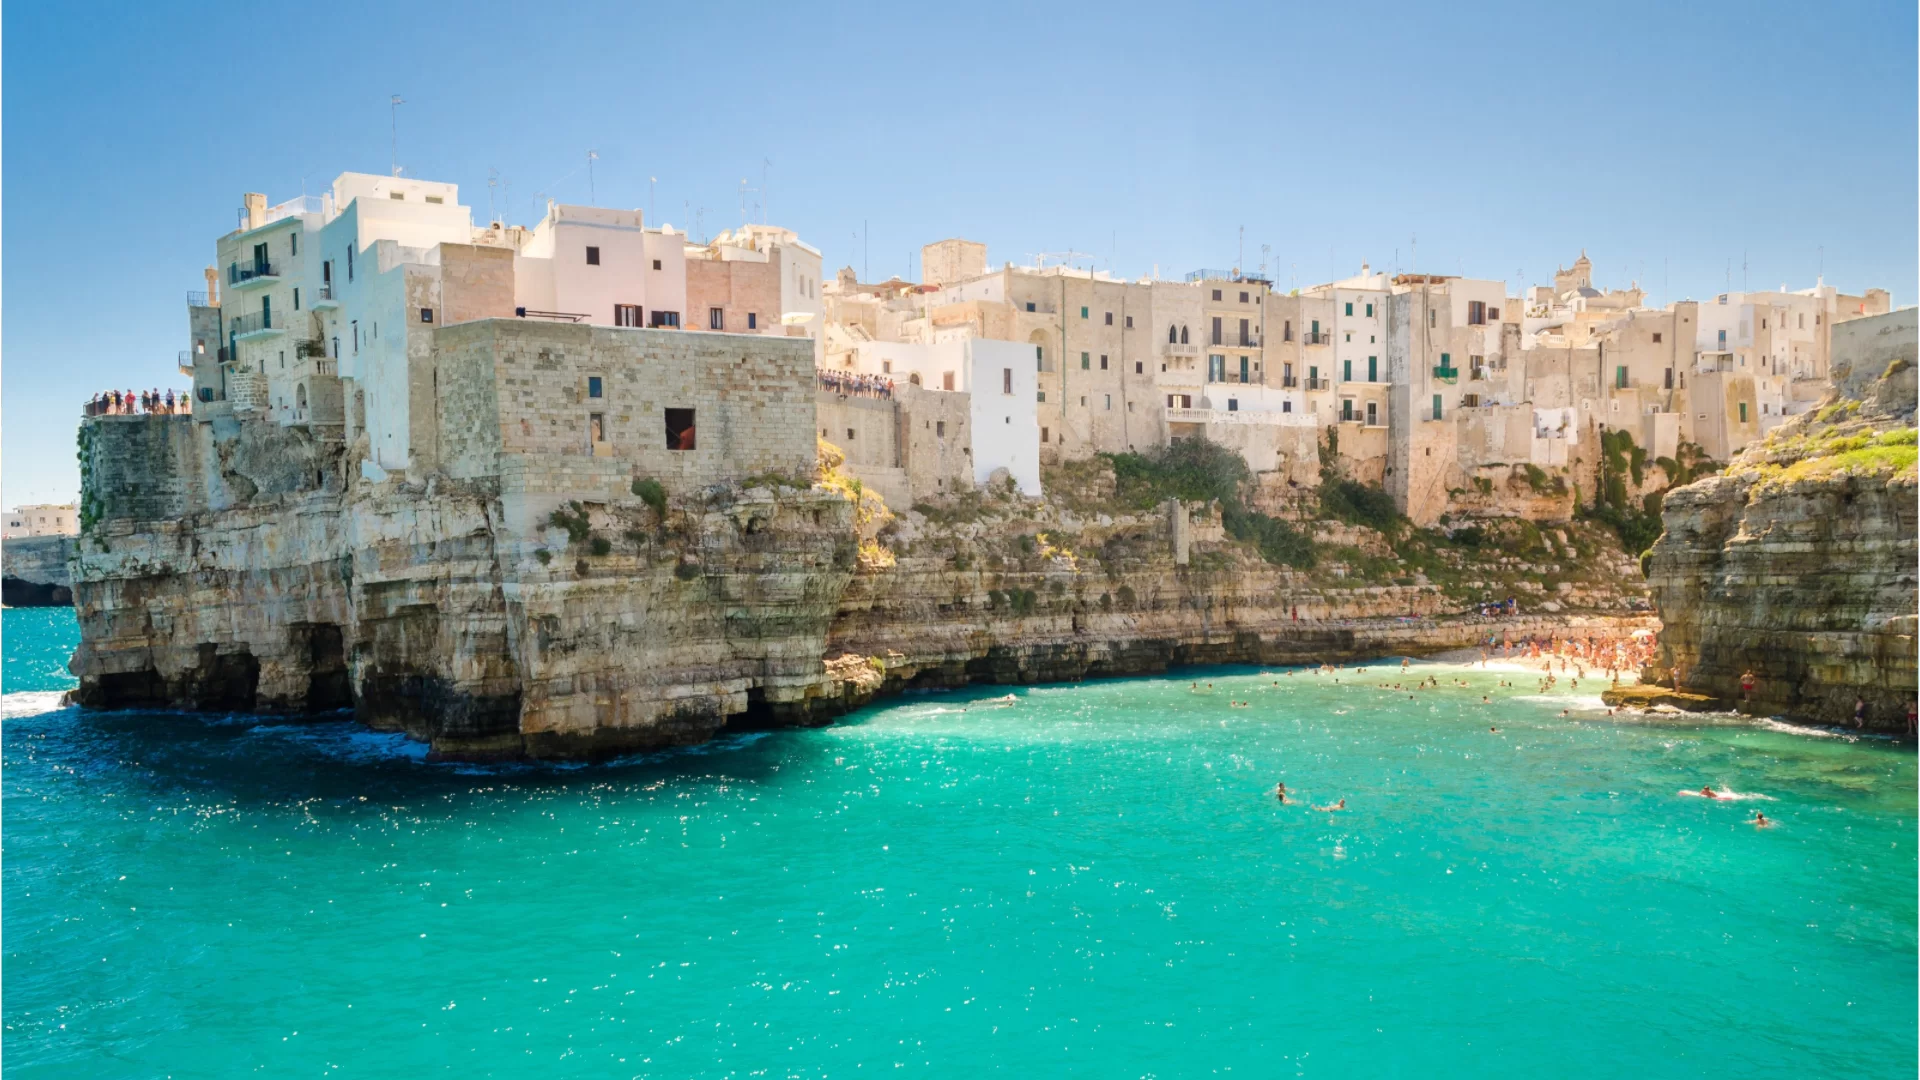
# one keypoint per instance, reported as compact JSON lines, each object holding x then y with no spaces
{"x":393,"y":122}
{"x":592,"y":156}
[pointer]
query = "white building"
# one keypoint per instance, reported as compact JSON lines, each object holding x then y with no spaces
{"x":41,"y":519}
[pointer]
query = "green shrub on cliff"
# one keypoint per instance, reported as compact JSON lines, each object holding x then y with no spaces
{"x":573,"y":520}
{"x":653,"y":494}
{"x":1359,"y":504}
{"x":1196,"y":470}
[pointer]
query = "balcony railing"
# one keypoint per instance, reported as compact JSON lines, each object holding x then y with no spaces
{"x":1179,"y":349}
{"x":258,"y":322}
{"x":1319,"y":384}
{"x":1312,"y":338}
{"x":1478,"y":374}
{"x":326,"y":367}
{"x":197,"y":299}
{"x":551,"y":316}
{"x":186,"y":362}
{"x":251,"y":273}
{"x":1447,"y":374}
{"x":324,"y":296}
{"x":1289,"y":382}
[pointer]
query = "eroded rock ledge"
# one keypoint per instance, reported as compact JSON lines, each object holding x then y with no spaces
{"x":240,"y":574}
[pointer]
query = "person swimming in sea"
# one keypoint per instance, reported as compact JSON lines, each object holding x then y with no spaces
{"x":1707,"y":792}
{"x":1495,"y":730}
{"x":1759,"y":820}
{"x":1280,"y":792}
{"x":1341,"y":805}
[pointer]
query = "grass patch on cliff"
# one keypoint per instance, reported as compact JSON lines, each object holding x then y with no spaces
{"x":1196,"y":470}
{"x":1889,"y":453}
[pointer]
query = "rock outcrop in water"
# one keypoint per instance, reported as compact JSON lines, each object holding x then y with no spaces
{"x":1798,"y":563}
{"x":229,"y":567}
{"x":33,"y":571}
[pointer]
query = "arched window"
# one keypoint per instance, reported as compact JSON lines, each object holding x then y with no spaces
{"x":914,"y":378}
{"x":1173,"y":334}
{"x":300,"y":398}
{"x":1183,"y":335}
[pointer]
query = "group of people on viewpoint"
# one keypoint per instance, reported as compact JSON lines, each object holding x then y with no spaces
{"x":128,"y":403}
{"x":846,"y":382}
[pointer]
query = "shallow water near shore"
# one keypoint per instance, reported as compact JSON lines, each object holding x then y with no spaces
{"x":1092,"y":878}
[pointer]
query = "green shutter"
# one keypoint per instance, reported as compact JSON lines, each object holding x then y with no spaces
{"x":1373,"y":369}
{"x":1349,"y":309}
{"x":1346,"y":371}
{"x":1083,"y":313}
{"x":1083,"y":356}
{"x":1436,"y":406}
{"x":1743,"y":412}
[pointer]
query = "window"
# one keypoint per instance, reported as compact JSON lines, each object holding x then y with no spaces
{"x":667,"y":319}
{"x":1109,"y":402}
{"x":1620,"y":377}
{"x":1346,"y":409}
{"x":1183,"y":335}
{"x":593,"y":386}
{"x":293,"y":243}
{"x":1006,"y":380}
{"x":356,"y":337}
{"x":1286,"y":406}
{"x":1083,"y":312}
{"x":1436,"y":406}
{"x":1656,"y":338}
{"x":426,"y":314}
{"x":1246,"y":333}
{"x":1029,"y":305}
{"x":1139,"y":368}
{"x":1346,"y":371}
{"x":1349,"y":308}
{"x":1373,"y":414}
{"x":1216,"y":368}
{"x":296,"y":299}
{"x":1129,"y":322}
{"x":1109,"y":318}
{"x":1039,"y":396}
{"x":437,"y":200}
{"x":1043,"y":434}
{"x":397,"y":196}
{"x":597,"y":427}
{"x":1216,"y":330}
{"x":1476,"y":313}
{"x":1373,"y":369}
{"x":656,"y":264}
{"x":1433,"y":319}
{"x":753,"y":320}
{"x":1103,"y":361}
{"x":680,"y":429}
{"x":850,"y":435}
{"x":1243,"y":297}
{"x":1669,"y":380}
{"x":939,"y":429}
{"x":593,"y":256}
{"x":716,"y":319}
{"x":946,"y":380}
{"x":349,"y":264}
{"x":626,"y":314}
{"x":1369,"y":311}
{"x":1743,"y":412}
{"x":1216,"y":294}
{"x":1085,"y":363}
{"x":1243,"y":369}
{"x":1493,"y":314}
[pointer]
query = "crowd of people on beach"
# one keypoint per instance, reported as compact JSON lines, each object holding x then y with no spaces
{"x":852,"y":385}
{"x":128,"y":403}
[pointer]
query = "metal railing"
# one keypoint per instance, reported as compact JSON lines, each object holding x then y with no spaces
{"x":1289,"y":382}
{"x":256,"y":322}
{"x":241,"y":273}
{"x":1447,"y":374}
{"x":1320,"y":338}
{"x":324,"y":294}
{"x":553,"y":316}
{"x":1319,"y":384}
{"x":197,"y":299}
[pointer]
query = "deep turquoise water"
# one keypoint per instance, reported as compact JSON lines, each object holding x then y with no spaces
{"x":1093,"y":880}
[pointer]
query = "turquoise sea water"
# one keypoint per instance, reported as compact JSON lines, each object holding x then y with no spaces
{"x":1092,"y":880}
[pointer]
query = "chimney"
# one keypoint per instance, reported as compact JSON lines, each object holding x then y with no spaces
{"x":213,"y":286}
{"x":256,"y":205}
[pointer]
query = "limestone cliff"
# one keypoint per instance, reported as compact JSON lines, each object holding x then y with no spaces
{"x":1798,"y":563}
{"x":225,"y":569}
{"x":33,"y":571}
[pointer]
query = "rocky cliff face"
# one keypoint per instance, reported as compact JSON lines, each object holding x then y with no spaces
{"x":1798,"y":564}
{"x":250,"y":575}
{"x":33,"y":572}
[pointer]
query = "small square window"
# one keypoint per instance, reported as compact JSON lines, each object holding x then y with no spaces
{"x":1139,"y":368}
{"x":753,"y":320}
{"x":1243,"y":298}
{"x":1029,"y":305}
{"x":1083,"y":312}
{"x":1129,"y":322}
{"x":850,"y":435}
{"x":593,"y":256}
{"x":593,"y":386}
{"x":680,"y":429}
{"x":656,"y":264}
{"x":437,"y":200}
{"x":1656,"y":339}
{"x":1103,"y":361}
{"x":1109,"y":318}
{"x":940,"y":429}
{"x":1216,"y":294}
{"x":426,"y":314}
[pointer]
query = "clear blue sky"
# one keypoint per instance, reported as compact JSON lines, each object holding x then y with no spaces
{"x":1665,"y":139}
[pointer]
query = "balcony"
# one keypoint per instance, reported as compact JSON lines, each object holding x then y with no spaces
{"x":324,"y":298}
{"x":1320,"y":338}
{"x":259,"y":324}
{"x":186,"y":361}
{"x":1289,"y":382}
{"x":1319,"y":384}
{"x":326,"y":367}
{"x":252,"y":274}
{"x":1478,"y":374}
{"x":1172,"y":349}
{"x":198,"y":299}
{"x":1448,"y":375}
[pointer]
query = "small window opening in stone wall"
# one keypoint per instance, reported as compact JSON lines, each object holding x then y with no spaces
{"x":680,"y":429}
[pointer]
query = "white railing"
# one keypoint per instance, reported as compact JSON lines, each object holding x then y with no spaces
{"x":1251,"y":417}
